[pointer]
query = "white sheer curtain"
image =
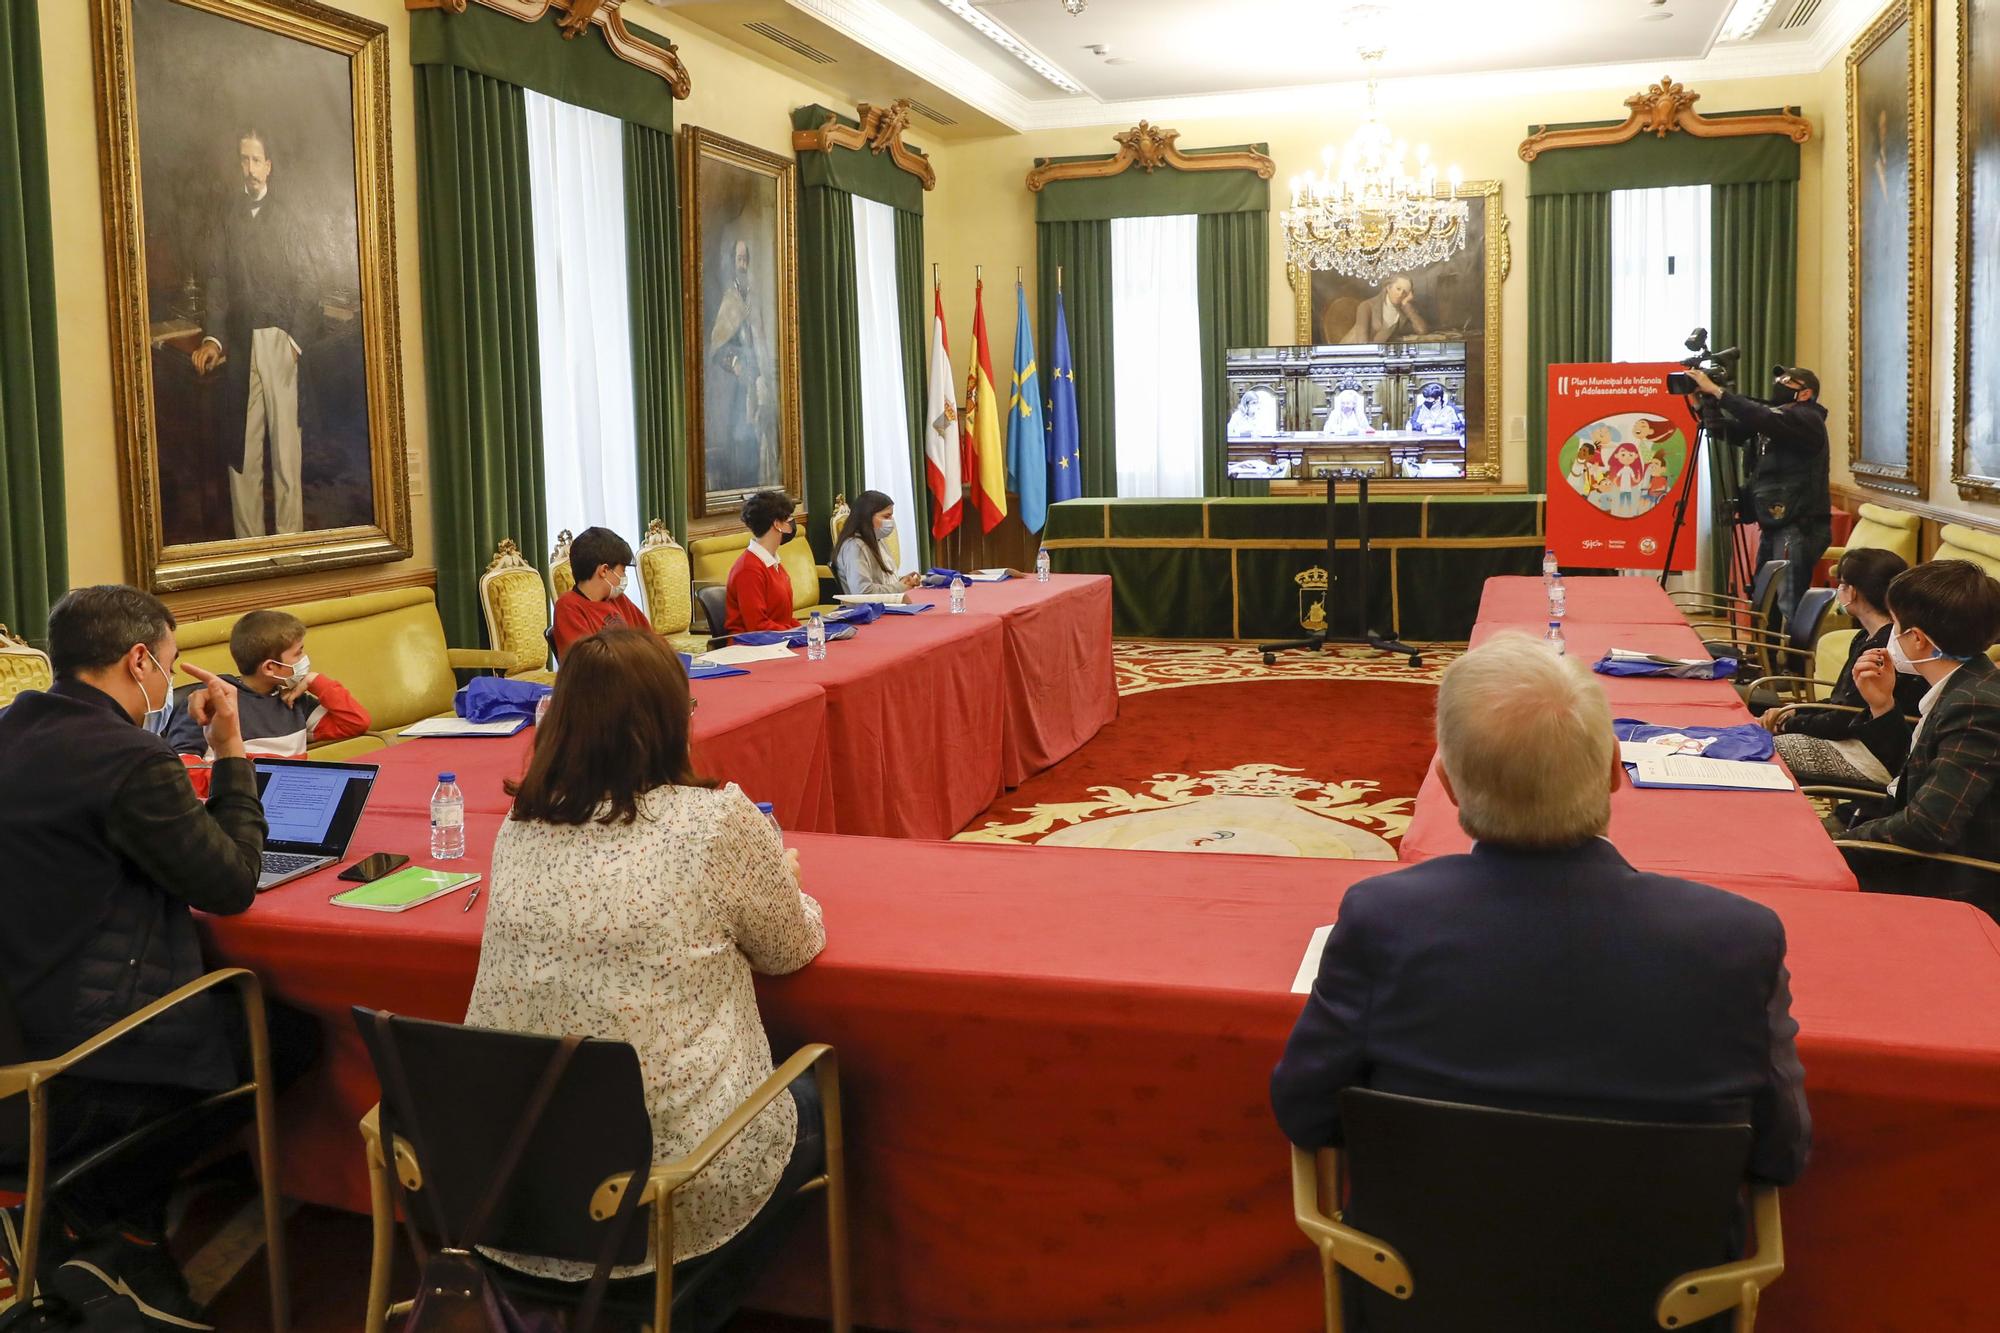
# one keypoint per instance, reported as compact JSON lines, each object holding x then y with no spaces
{"x":885,"y":415}
{"x":590,"y":451}
{"x":1156,"y":355}
{"x":1659,"y":292}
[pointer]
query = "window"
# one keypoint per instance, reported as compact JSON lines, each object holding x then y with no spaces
{"x":1156,"y":355}
{"x":885,"y":415}
{"x":590,"y":454}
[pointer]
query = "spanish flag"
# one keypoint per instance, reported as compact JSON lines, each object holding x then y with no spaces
{"x":985,"y":445}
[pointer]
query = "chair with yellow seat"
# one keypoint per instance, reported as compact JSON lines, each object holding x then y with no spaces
{"x":892,"y":545}
{"x":713,"y":557}
{"x":1956,"y":541}
{"x":1484,"y":1218}
{"x":561,"y":577}
{"x":669,"y":585}
{"x":23,"y":667}
{"x":517,"y":612}
{"x":1829,"y":659}
{"x":1883,"y":528}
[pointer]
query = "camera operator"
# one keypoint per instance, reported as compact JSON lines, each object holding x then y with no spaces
{"x":1789,"y":487}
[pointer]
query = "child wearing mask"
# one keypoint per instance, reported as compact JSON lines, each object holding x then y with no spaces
{"x":601,"y":561}
{"x":285,"y":705}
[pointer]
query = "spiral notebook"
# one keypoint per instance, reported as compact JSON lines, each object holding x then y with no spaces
{"x":412,"y":886}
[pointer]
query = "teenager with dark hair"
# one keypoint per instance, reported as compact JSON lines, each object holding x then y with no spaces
{"x":860,"y":561}
{"x":600,"y":559}
{"x":759,"y":591}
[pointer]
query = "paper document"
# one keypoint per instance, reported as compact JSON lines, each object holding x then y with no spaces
{"x":1627,"y":655}
{"x":1302,"y":984}
{"x":863,"y":598}
{"x":458,"y":726}
{"x":1683,"y":770}
{"x":737,"y":654}
{"x":1631,"y":752}
{"x":989,"y":576}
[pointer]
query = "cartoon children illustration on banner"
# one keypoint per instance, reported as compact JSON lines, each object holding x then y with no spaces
{"x":1627,"y":464}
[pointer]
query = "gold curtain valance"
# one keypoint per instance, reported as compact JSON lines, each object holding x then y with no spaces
{"x":880,"y":131}
{"x":1666,"y":107}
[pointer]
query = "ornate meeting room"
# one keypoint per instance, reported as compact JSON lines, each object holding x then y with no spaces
{"x":999,"y":666}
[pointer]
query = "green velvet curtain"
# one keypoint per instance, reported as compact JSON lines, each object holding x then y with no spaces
{"x":34,"y":537}
{"x":1081,"y":253}
{"x":653,"y":275}
{"x":1753,"y":236}
{"x":480,"y":351}
{"x":1232,"y":267}
{"x":830,"y":356}
{"x":1569,"y":301}
{"x":913,"y":312}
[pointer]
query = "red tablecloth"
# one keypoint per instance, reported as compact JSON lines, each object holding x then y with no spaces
{"x":1061,"y":688}
{"x":768,"y":737}
{"x":1615,"y":599}
{"x":1587,"y":641}
{"x":914,"y":722}
{"x":1055,"y":1065}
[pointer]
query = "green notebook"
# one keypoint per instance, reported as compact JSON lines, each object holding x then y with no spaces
{"x":412,"y":886}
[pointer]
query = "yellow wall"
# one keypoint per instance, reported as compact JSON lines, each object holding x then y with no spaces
{"x":986,"y":215}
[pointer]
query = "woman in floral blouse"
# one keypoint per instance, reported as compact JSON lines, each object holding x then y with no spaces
{"x":631,"y":900}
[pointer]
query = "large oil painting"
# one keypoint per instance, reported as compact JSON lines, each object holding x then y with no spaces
{"x":1976,"y":461}
{"x":250,"y":235}
{"x":1888,"y":198}
{"x":1453,"y":301}
{"x":740,"y":255}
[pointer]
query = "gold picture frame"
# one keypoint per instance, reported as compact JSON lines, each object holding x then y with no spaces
{"x":1888,"y":250}
{"x":738,"y":219}
{"x":1493,"y":235}
{"x":191,"y":90}
{"x":1975,"y":463}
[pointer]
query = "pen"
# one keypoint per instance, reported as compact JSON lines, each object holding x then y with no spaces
{"x":470,"y":899}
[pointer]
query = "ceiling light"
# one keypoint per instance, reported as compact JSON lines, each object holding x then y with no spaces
{"x":1074,"y":7}
{"x":1746,"y":19}
{"x":1011,"y":44}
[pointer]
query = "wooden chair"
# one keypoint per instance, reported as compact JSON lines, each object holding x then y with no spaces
{"x":517,"y":613}
{"x":664,"y":574}
{"x":24,"y":1116}
{"x":1511,"y":1222}
{"x":1829,"y":659}
{"x":22,"y":667}
{"x":1774,"y":653}
{"x":1758,"y":611}
{"x":566,"y":1174}
{"x":561,"y":579}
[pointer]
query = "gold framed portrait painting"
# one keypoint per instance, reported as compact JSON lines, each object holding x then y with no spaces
{"x":249,"y":223}
{"x":1976,"y":457}
{"x":1888,"y":249}
{"x":1456,"y":300}
{"x":739,"y":255}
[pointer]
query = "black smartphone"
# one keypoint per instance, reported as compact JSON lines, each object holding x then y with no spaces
{"x":374,"y":867}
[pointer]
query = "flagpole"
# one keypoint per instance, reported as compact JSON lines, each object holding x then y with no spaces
{"x":935,"y":282}
{"x":1058,"y":277}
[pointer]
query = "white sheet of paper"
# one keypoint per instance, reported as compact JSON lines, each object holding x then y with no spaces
{"x":1631,"y":752}
{"x":988,"y":576}
{"x":1691,"y":770}
{"x":740,"y":654}
{"x":458,"y":726}
{"x":1302,"y":984}
{"x":1629,"y":655}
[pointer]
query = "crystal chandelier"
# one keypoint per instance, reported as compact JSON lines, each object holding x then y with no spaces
{"x":1074,"y":7}
{"x":1374,"y":218}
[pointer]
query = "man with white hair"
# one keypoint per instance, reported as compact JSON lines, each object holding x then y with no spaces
{"x":1540,"y":971}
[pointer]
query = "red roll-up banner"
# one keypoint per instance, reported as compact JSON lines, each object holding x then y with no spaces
{"x":1619,"y":452}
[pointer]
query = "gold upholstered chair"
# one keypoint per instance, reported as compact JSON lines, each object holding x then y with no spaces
{"x":517,"y":612}
{"x":669,"y":585}
{"x":561,"y":578}
{"x":713,"y":556}
{"x":21,"y":667}
{"x":892,"y":545}
{"x":1958,"y":542}
{"x":1882,"y":528}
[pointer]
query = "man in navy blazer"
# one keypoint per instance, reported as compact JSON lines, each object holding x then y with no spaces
{"x":1540,"y":971}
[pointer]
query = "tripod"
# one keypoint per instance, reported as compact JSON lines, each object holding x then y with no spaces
{"x":1365,"y":634}
{"x":1726,"y":500}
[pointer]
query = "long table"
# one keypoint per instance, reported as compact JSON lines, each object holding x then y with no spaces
{"x":1055,"y":1064}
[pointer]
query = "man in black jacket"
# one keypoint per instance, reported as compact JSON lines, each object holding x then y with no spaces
{"x":107,"y":849}
{"x":1794,"y":508}
{"x":1540,"y":971}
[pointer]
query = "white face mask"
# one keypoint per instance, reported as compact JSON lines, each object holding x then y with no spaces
{"x":885,"y":528}
{"x":145,"y":694}
{"x":1905,"y":663}
{"x":298,"y":670}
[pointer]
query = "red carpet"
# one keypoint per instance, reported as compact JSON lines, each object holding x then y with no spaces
{"x":1275,"y":766}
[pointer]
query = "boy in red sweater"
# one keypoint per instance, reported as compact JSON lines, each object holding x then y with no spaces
{"x":759,"y":590}
{"x":599,"y":558}
{"x":284,"y":705}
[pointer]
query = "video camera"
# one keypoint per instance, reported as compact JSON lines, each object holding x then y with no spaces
{"x":1718,"y":366}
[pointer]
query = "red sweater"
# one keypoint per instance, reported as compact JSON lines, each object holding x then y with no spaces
{"x":577,"y":617}
{"x":759,"y":596}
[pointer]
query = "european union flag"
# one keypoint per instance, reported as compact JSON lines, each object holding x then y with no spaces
{"x":1027,"y":472}
{"x":1065,"y":450}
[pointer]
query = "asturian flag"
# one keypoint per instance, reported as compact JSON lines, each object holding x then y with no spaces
{"x":985,"y":447}
{"x":1027,"y":451}
{"x":1065,"y":449}
{"x":941,"y":445}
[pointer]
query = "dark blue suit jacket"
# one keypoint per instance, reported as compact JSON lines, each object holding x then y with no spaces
{"x":1564,"y":982}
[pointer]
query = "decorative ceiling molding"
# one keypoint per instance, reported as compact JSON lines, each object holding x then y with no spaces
{"x":881,"y":131}
{"x":654,"y":54}
{"x":1148,"y":147}
{"x":1660,"y":110}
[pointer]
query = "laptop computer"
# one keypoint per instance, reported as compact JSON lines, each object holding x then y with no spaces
{"x":311,"y":807}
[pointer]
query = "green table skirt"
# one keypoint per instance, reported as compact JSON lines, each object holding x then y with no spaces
{"x":1235,"y":568}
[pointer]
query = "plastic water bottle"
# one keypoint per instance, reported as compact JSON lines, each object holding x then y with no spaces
{"x":1042,"y":565}
{"x":1549,"y":569}
{"x":447,"y":819}
{"x":957,"y":595}
{"x":1554,"y":638}
{"x":765,"y":809}
{"x":816,"y":638}
{"x":1558,"y":598}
